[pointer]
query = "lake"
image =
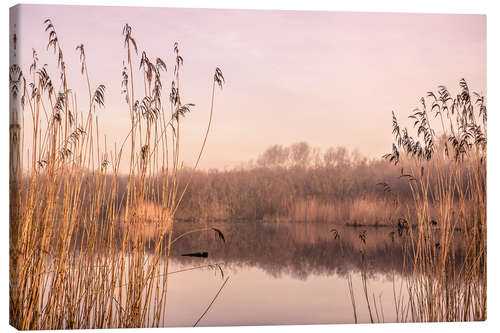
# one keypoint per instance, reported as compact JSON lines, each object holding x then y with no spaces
{"x":284,"y":273}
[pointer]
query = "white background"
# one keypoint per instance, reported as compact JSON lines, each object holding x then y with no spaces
{"x":490,"y":8}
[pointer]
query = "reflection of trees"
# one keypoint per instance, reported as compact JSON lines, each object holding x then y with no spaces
{"x":296,"y":249}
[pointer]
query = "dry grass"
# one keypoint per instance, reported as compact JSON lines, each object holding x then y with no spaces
{"x":354,"y":212}
{"x":447,"y":177}
{"x":328,"y":186}
{"x":77,"y":258}
{"x":438,"y":290}
{"x":448,"y":182}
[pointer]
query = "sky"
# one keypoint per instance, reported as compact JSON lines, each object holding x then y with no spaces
{"x":327,"y":78}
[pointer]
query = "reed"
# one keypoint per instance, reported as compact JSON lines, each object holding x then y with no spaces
{"x":446,"y":169}
{"x":78,"y":254}
{"x":446,"y":173}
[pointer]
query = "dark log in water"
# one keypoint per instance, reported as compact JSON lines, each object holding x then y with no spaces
{"x":196,"y":254}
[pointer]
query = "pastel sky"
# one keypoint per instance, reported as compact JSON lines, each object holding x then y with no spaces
{"x":328,"y":78}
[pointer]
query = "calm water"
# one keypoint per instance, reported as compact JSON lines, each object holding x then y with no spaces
{"x":283,"y":273}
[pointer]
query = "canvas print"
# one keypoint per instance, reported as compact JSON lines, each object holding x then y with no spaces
{"x":214,"y":167}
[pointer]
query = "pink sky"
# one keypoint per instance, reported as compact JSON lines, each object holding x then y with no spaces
{"x":328,"y":78}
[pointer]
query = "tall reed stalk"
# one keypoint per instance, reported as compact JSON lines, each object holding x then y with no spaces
{"x":78,"y":256}
{"x":446,"y":168}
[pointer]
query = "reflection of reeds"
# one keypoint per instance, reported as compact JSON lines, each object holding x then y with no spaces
{"x":364,"y":280}
{"x":78,"y":247}
{"x":351,"y":295}
{"x":362,"y":238}
{"x":211,"y":302}
{"x":337,"y":236}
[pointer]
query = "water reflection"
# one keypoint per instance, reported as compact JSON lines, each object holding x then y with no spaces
{"x":298,"y":250}
{"x":253,"y":297}
{"x":285,"y":273}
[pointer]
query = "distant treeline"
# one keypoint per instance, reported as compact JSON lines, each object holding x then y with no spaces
{"x":298,"y":183}
{"x":295,"y":183}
